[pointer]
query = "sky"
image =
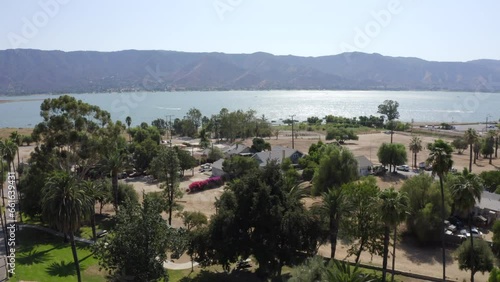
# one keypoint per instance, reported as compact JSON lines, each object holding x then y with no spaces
{"x":445,"y":30}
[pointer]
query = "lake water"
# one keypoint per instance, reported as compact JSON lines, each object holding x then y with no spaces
{"x":24,"y":111}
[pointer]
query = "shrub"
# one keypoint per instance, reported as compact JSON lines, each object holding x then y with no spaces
{"x":201,"y":185}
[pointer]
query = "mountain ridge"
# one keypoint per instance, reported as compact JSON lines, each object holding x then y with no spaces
{"x":31,"y":71}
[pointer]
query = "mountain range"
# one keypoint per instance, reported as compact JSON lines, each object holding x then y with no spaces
{"x":27,"y":71}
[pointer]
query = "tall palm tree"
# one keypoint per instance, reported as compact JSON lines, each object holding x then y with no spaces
{"x":465,"y":191}
{"x":394,"y":206}
{"x":441,"y":162}
{"x":491,"y":143}
{"x":113,"y":162}
{"x":415,"y":148}
{"x":65,"y":205}
{"x":333,"y":205}
{"x":94,"y":191}
{"x":471,"y":137}
{"x":16,"y":138}
{"x":128,"y":121}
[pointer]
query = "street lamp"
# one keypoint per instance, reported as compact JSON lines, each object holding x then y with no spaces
{"x":293,"y":145}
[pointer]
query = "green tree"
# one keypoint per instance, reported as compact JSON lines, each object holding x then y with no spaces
{"x":393,"y":154}
{"x":128,"y":121}
{"x":95,"y":192}
{"x":460,"y":144}
{"x":415,"y":148}
{"x":260,"y":216}
{"x":237,"y":166}
{"x":143,"y":153}
{"x":494,"y":275}
{"x":165,"y":167}
{"x":137,"y":245}
{"x":113,"y":162}
{"x":27,"y":139}
{"x":17,"y":139}
{"x":259,"y":145}
{"x":9,"y":149}
{"x":215,"y":154}
{"x":394,"y":206}
{"x":424,"y":199}
{"x":496,"y":236}
{"x":362,"y":227}
{"x":491,"y":180}
{"x":390,"y":109}
{"x":471,"y":138}
{"x":337,"y":166}
{"x":192,"y":221}
{"x":488,"y":145}
{"x":341,"y":134}
{"x":466,"y":190}
{"x":186,"y":160}
{"x":194,"y":115}
{"x":161,"y":125}
{"x":475,"y":258}
{"x":204,"y":139}
{"x":441,"y":162}
{"x":65,"y":205}
{"x":332,"y":207}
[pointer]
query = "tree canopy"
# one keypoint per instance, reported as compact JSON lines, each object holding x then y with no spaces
{"x":136,"y":248}
{"x":337,"y":166}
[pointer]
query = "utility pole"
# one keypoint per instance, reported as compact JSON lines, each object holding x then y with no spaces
{"x":170,"y":129}
{"x":293,"y":145}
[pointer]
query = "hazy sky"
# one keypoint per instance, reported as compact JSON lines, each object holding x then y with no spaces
{"x":444,"y":30}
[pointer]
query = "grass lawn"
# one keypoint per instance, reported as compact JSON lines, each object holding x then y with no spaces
{"x":44,"y":257}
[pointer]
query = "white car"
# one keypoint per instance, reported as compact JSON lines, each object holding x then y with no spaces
{"x":403,"y":167}
{"x":475,"y":233}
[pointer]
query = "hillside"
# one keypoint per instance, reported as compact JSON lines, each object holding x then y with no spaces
{"x":24,"y":71}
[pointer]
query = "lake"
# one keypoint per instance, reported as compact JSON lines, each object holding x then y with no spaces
{"x":24,"y":111}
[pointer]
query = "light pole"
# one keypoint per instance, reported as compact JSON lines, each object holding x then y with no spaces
{"x":486,"y":125}
{"x":170,"y":128}
{"x":293,"y":145}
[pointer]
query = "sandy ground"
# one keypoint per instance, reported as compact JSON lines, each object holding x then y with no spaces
{"x":409,"y":256}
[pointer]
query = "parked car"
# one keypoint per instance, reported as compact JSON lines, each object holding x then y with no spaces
{"x":403,"y":167}
{"x":457,"y":222}
{"x":475,"y":233}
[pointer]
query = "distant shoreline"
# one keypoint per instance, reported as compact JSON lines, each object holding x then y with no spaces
{"x":24,"y":100}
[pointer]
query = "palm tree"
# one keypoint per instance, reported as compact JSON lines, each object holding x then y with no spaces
{"x":65,"y":205}
{"x":441,"y":162}
{"x":333,"y":204}
{"x":114,"y":162}
{"x":128,"y":121}
{"x":471,"y":138}
{"x":465,"y":192}
{"x":16,"y":138}
{"x":9,"y":149}
{"x":393,"y":208}
{"x":415,"y":148}
{"x":95,"y":192}
{"x":491,"y":143}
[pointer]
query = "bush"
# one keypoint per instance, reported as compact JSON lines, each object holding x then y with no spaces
{"x":210,"y":183}
{"x":126,"y":193}
{"x":308,"y":172}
